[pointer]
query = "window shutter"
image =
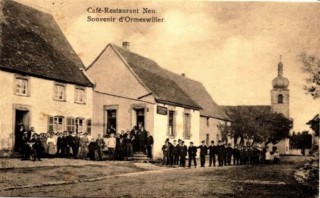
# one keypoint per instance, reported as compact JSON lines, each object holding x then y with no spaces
{"x":50,"y":123}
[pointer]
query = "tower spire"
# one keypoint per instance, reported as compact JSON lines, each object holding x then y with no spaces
{"x":280,"y":68}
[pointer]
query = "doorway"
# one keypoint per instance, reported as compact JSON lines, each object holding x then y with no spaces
{"x":21,"y":125}
{"x":140,"y":117}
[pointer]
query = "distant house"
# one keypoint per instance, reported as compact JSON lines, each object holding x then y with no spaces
{"x":133,"y":90}
{"x":42,"y":80}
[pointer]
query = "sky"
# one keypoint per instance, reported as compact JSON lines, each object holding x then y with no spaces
{"x":233,"y":48}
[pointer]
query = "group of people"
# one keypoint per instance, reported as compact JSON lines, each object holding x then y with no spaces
{"x":82,"y":146}
{"x":219,"y":155}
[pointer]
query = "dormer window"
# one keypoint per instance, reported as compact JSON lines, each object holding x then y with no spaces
{"x":280,"y":98}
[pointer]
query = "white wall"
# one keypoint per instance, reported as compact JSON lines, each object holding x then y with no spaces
{"x":161,"y":128}
{"x":40,"y":104}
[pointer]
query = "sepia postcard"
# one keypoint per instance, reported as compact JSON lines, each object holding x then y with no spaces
{"x":106,"y":98}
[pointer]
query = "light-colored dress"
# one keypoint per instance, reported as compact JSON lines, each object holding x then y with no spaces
{"x":52,"y":150}
{"x":84,"y":141}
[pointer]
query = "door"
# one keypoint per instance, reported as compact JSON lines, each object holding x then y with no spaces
{"x":22,"y":124}
{"x":140,"y":117}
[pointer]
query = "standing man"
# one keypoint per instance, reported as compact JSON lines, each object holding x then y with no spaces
{"x":192,"y":151}
{"x":69,"y":144}
{"x":203,"y":152}
{"x":37,"y":147}
{"x":183,"y":154}
{"x":60,"y":146}
{"x":212,"y":154}
{"x":149,"y":145}
{"x":175,"y":156}
{"x":143,"y":139}
{"x":236,"y":155}
{"x":76,"y":146}
{"x":166,"y":155}
{"x":229,"y":152}
{"x":100,"y":145}
{"x":221,"y":151}
{"x":111,"y":144}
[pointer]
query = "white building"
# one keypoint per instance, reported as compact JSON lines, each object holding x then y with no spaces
{"x":132,"y":89}
{"x":42,"y":82}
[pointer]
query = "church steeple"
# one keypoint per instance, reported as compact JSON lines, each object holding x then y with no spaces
{"x":280,"y":92}
{"x":280,"y":82}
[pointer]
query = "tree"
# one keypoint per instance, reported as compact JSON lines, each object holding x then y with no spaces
{"x":311,"y":66}
{"x":301,"y":140}
{"x":314,"y":124}
{"x":258,"y":123}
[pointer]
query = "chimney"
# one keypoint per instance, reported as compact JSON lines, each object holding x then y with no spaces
{"x":126,"y":45}
{"x":183,"y":74}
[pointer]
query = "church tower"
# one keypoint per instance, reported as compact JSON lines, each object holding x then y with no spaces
{"x":280,"y":93}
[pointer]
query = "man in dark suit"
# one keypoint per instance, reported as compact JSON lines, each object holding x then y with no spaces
{"x":61,"y":145}
{"x":149,"y":145}
{"x":37,"y":147}
{"x":143,"y":140}
{"x":175,"y":156}
{"x":69,"y":144}
{"x":203,"y":152}
{"x":229,"y":153}
{"x":212,"y":154}
{"x":221,"y":153}
{"x":183,"y":154}
{"x":76,"y":145}
{"x":236,"y":155}
{"x":192,"y":151}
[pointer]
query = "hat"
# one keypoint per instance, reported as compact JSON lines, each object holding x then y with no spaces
{"x":191,"y":142}
{"x":212,"y":141}
{"x":202,"y":141}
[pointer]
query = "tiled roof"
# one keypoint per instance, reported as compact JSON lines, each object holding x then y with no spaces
{"x":31,"y":43}
{"x":156,"y":79}
{"x":171,"y":88}
{"x":198,"y":93}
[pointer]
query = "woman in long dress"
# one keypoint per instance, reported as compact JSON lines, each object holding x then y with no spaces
{"x":51,"y":146}
{"x":84,"y":141}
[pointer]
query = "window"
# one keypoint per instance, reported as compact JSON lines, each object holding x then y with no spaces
{"x":70,"y":124}
{"x":79,"y":96}
{"x":208,"y":121}
{"x":58,"y":124}
{"x":59,"y":92}
{"x":111,"y":121}
{"x":89,"y":126}
{"x":280,"y":98}
{"x":55,"y":123}
{"x":21,"y":86}
{"x":79,"y":125}
{"x":171,"y":123}
{"x":187,"y":126}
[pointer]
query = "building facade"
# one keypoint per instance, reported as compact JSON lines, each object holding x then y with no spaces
{"x":43,"y":84}
{"x":131,"y":90}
